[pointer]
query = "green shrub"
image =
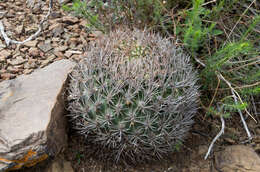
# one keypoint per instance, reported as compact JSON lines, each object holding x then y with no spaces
{"x":196,"y":31}
{"x":105,"y":16}
{"x":236,"y":56}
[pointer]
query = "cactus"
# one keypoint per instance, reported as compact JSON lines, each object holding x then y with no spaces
{"x":133,"y":96}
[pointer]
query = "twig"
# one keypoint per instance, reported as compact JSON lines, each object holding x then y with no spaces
{"x":239,"y":20}
{"x":235,"y":96}
{"x":200,"y":62}
{"x":253,"y":104}
{"x":8,"y":40}
{"x":215,"y":93}
{"x":244,"y":61}
{"x":217,"y":136}
{"x":233,"y":91}
{"x":248,"y":64}
{"x":206,"y":3}
{"x":239,"y":87}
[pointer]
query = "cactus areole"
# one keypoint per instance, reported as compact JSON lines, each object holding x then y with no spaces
{"x":133,"y":96}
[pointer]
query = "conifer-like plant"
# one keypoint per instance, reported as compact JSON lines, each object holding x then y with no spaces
{"x":133,"y":96}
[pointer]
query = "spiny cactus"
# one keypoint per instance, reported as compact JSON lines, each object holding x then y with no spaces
{"x":133,"y":96}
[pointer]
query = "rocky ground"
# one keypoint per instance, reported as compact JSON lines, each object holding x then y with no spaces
{"x":65,"y":37}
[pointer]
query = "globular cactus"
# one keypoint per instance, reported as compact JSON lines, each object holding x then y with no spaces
{"x":133,"y":96}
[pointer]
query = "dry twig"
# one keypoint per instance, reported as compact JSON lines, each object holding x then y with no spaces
{"x":217,"y":136}
{"x":232,"y":30}
{"x":236,"y":96}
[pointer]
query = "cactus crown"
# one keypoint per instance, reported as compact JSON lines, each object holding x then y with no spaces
{"x":134,"y":95}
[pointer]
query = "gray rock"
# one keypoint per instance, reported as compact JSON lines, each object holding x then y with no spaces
{"x":13,"y":69}
{"x":61,"y":48}
{"x":51,"y":57}
{"x":2,"y":59}
{"x":70,"y":20}
{"x":2,"y":14}
{"x":19,"y":29}
{"x":27,"y":71}
{"x":237,"y":158}
{"x":31,"y":43}
{"x":33,"y":51}
{"x":32,"y":123}
{"x":57,"y":29}
{"x":67,"y":54}
{"x":55,"y":15}
{"x":45,"y":63}
{"x":32,"y":64}
{"x":5,"y":54}
{"x":45,"y":47}
{"x":17,"y":61}
{"x":30,"y":3}
{"x":6,"y":76}
{"x":2,"y":46}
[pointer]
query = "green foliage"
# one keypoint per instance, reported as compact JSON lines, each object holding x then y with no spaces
{"x":79,"y":157}
{"x":220,"y":59}
{"x":237,"y":61}
{"x":216,"y":112}
{"x":104,"y":16}
{"x":254,"y":23}
{"x":178,"y":146}
{"x":195,"y":31}
{"x":83,"y":9}
{"x":228,"y":105}
{"x":253,"y":91}
{"x":227,"y":61}
{"x":133,"y":96}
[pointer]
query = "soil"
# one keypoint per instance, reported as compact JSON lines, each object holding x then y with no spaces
{"x":189,"y":158}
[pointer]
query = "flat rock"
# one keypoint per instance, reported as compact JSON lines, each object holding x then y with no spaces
{"x":27,"y":71}
{"x":61,"y":48}
{"x":45,"y":47}
{"x":13,"y":69}
{"x":2,"y":46}
{"x":45,"y":63}
{"x":31,"y":43}
{"x":32,"y":123}
{"x":19,"y":29}
{"x":67,"y":54}
{"x":237,"y":158}
{"x":17,"y":61}
{"x":2,"y":59}
{"x":6,"y":76}
{"x":5,"y":54}
{"x":57,"y":29}
{"x":33,"y":51}
{"x":58,"y":54}
{"x":70,"y":20}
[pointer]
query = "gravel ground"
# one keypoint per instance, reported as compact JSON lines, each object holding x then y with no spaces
{"x":63,"y":36}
